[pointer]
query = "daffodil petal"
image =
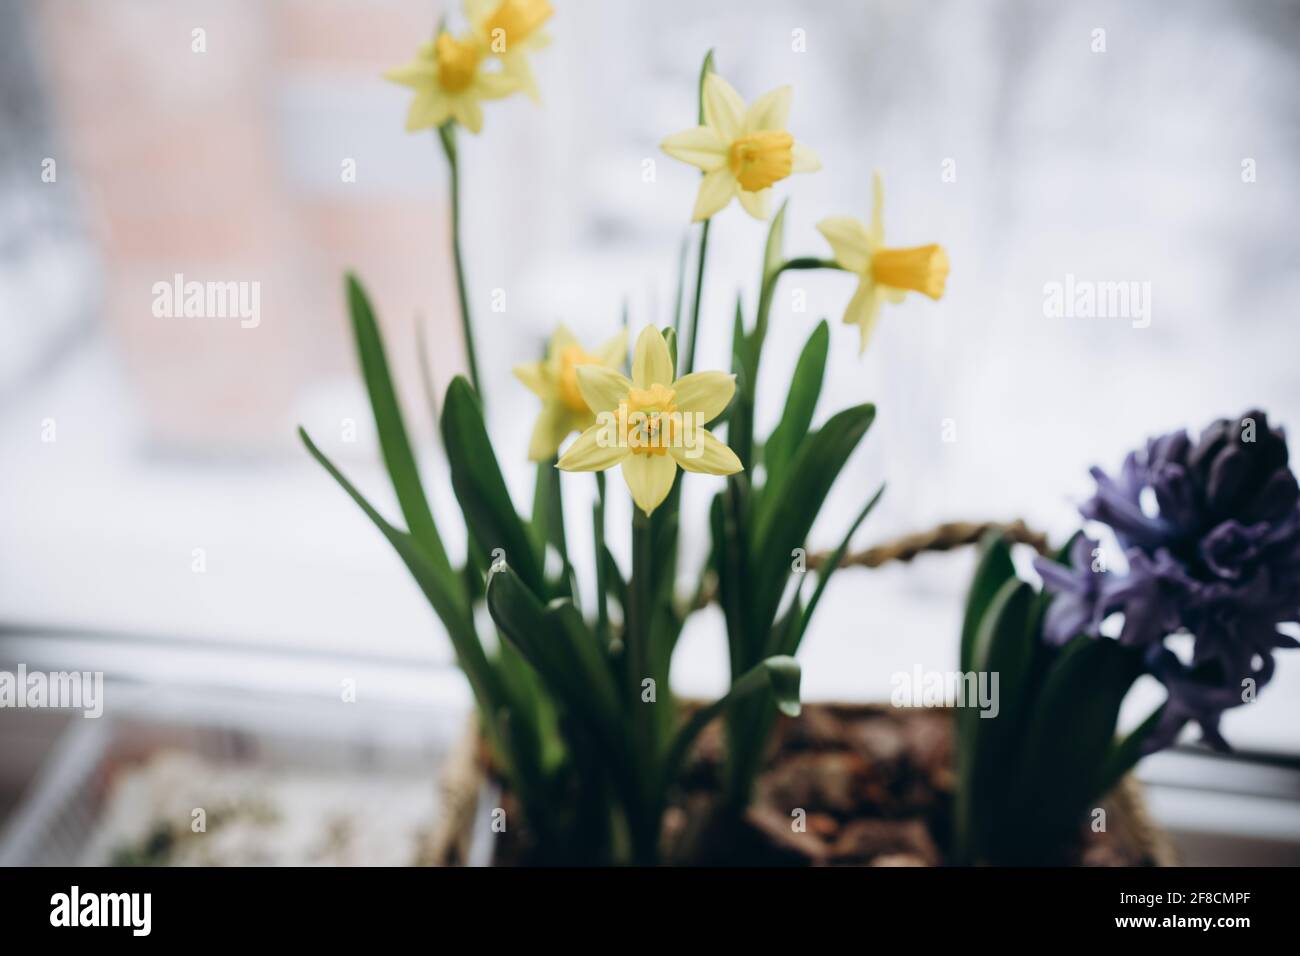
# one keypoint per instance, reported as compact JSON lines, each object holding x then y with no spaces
{"x":849,"y":240}
{"x":769,"y":111}
{"x":614,"y":352}
{"x":649,"y":478}
{"x":553,"y":426}
{"x":476,"y":11}
{"x":602,"y":388}
{"x":705,"y":455}
{"x":415,"y":74}
{"x":430,"y":108}
{"x":535,"y":378}
{"x":651,"y":362}
{"x":705,"y":393}
{"x":596,"y":449}
{"x":702,"y":147}
{"x":561,"y":338}
{"x":493,"y":86}
{"x":724,"y":109}
{"x":805,"y":160}
{"x":716,"y":190}
{"x":757,"y":204}
{"x":467,"y":112}
{"x":863,"y":311}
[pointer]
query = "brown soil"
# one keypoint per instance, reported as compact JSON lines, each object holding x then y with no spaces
{"x":855,"y":786}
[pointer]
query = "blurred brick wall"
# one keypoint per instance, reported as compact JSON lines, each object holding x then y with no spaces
{"x":208,"y":164}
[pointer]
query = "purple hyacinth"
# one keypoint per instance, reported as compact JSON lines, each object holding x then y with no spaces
{"x":1218,"y":556}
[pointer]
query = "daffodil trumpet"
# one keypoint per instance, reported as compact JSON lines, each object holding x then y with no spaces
{"x":884,"y":274}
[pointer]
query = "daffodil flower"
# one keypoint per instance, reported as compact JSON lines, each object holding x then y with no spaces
{"x":450,"y":82}
{"x":554,"y":380}
{"x":652,"y":423}
{"x":510,"y":30}
{"x":741,"y":151}
{"x":883,"y":274}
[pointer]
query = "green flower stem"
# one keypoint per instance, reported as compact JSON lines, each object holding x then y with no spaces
{"x":699,"y":291}
{"x":598,"y":528}
{"x":743,"y":441}
{"x":768,"y":291}
{"x":637,"y":631}
{"x":447,"y":134}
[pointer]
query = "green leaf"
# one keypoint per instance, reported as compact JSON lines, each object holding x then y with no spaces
{"x":480,"y":488}
{"x":1070,"y":733}
{"x":833,"y":563}
{"x":555,"y":641}
{"x":1125,"y":753}
{"x":805,"y":388}
{"x":705,"y":69}
{"x":787,"y":509}
{"x":441,"y":587}
{"x":992,"y":571}
{"x":779,"y":675}
{"x":773,"y":255}
{"x":393,"y":441}
{"x":987,"y":746}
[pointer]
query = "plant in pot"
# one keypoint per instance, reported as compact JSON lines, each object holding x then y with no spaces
{"x":1200,"y":566}
{"x":573,"y":703}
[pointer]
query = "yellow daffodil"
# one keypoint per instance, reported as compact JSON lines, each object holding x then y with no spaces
{"x":450,"y":82}
{"x":741,"y":151}
{"x":510,"y":30}
{"x":883,"y":274}
{"x":652,"y":423}
{"x":554,"y":380}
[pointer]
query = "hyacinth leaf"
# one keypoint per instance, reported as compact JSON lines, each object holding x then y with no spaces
{"x":480,"y":488}
{"x":556,"y":642}
{"x":1071,"y":731}
{"x":1004,"y":644}
{"x":788,"y":508}
{"x":399,"y":459}
{"x":993,"y":570}
{"x":778,"y":675}
{"x":1125,"y":753}
{"x":805,"y":389}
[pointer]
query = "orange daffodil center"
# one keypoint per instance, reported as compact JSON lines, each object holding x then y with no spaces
{"x":742,"y":151}
{"x":511,"y":30}
{"x":761,"y":159}
{"x":453,"y":75}
{"x":653,"y":423}
{"x":884,"y":274}
{"x":921,"y":269}
{"x":646,"y":422}
{"x":571,"y":356}
{"x":515,"y":22}
{"x":457,"y":62}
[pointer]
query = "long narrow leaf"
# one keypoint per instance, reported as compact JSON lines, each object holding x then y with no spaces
{"x":780,"y":675}
{"x":805,"y":389}
{"x":394,"y":443}
{"x":480,"y":488}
